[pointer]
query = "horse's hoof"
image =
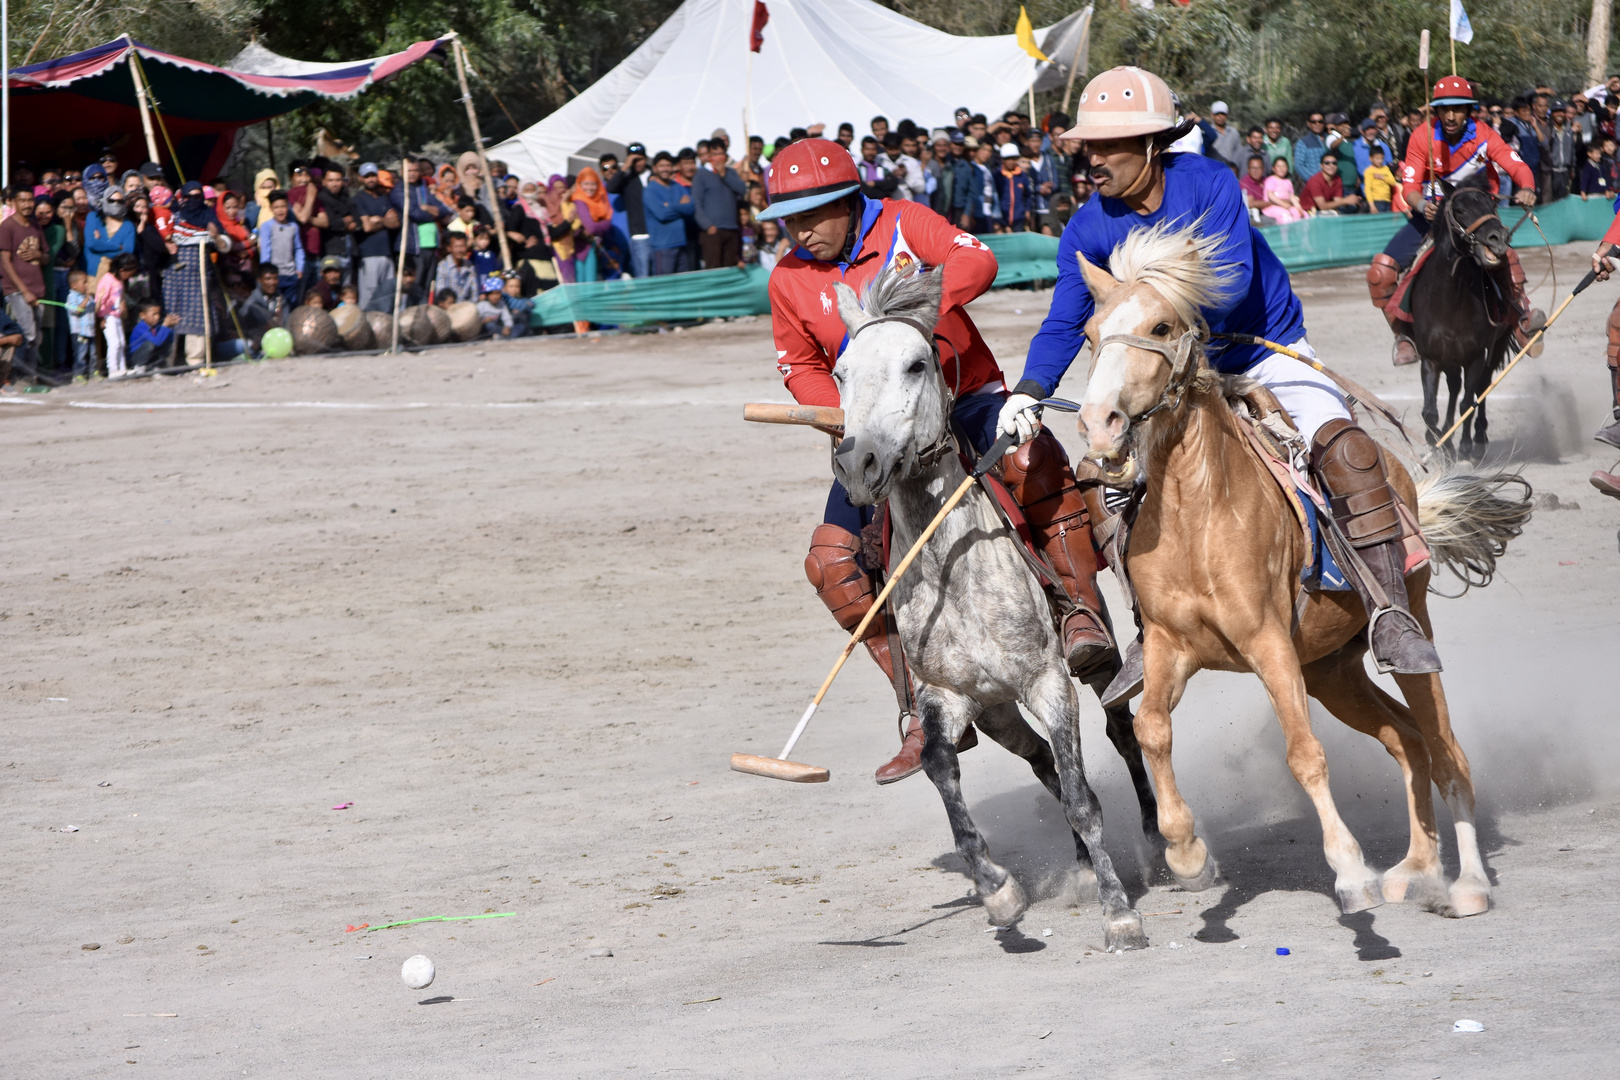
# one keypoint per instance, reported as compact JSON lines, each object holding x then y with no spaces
{"x":1007,"y":904}
{"x":1204,"y":879}
{"x":1359,"y":896}
{"x":1469,"y":898}
{"x":1124,"y":932}
{"x":1405,"y":884}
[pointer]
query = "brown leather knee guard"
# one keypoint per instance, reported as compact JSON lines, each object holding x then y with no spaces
{"x":846,"y":588}
{"x":1350,"y":467}
{"x":1614,"y":337}
{"x":1042,"y":484}
{"x":1382,"y":277}
{"x":1515,"y":271}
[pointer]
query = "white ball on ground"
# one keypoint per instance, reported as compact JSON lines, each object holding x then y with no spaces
{"x":417,"y":972}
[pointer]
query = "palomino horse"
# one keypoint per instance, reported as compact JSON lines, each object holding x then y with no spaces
{"x":1462,"y":311}
{"x":976,"y":627}
{"x":1215,"y":556}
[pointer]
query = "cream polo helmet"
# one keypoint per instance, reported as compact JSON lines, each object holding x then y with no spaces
{"x":1122,"y":102}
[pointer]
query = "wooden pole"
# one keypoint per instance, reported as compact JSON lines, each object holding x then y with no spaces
{"x":208,"y":329}
{"x":140,"y":103}
{"x":483,"y":161}
{"x":404,"y":242}
{"x":1597,"y":42}
{"x":1076,"y":63}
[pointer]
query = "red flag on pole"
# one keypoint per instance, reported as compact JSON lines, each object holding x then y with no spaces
{"x":756,"y":34}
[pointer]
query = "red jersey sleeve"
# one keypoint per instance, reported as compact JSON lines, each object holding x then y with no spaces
{"x":970,"y":267}
{"x":1415,"y":169}
{"x":1613,"y":235}
{"x":1507,"y":159}
{"x":806,"y":369}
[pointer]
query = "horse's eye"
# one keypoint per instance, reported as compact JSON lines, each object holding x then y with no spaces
{"x":917,"y":367}
{"x":1161,"y":330}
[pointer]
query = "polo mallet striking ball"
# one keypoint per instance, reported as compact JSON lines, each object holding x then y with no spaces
{"x":779,"y":767}
{"x":1591,"y":276}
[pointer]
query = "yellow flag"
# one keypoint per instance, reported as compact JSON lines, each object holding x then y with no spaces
{"x":1026,"y":35}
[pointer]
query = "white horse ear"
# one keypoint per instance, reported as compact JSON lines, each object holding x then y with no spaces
{"x":849,"y":307}
{"x":1099,"y":281}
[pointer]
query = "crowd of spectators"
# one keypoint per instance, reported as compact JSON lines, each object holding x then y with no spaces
{"x":103,"y":268}
{"x":1335,"y":166}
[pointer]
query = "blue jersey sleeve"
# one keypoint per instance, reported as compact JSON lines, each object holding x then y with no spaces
{"x":1227,"y":216}
{"x":1063,"y":331}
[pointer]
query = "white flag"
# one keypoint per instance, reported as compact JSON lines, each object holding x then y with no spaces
{"x":1461,"y":29}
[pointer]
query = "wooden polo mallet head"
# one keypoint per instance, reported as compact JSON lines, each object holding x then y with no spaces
{"x":832,"y":421}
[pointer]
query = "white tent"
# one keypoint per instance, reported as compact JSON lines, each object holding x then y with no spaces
{"x":824,"y":61}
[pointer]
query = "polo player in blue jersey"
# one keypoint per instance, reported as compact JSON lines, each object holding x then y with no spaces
{"x":1126,"y":121}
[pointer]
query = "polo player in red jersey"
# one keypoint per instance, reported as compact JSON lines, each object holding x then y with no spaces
{"x":1603,"y":266}
{"x":1450,"y":149}
{"x":844,"y":236}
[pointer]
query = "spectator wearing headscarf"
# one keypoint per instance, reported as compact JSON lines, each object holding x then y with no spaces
{"x":95,"y":183}
{"x":195,"y":228}
{"x":264,"y":182}
{"x":108,"y":233}
{"x":594,"y":258}
{"x":563,"y":220}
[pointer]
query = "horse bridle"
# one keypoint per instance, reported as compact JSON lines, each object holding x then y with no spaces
{"x":943,"y":445}
{"x":1178,"y":355}
{"x":1468,"y":233}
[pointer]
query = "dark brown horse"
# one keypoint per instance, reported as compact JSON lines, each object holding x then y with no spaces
{"x":1462,"y":310}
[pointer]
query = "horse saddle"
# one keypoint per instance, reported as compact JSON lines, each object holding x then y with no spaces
{"x":1400,"y":304}
{"x":1275,"y":440}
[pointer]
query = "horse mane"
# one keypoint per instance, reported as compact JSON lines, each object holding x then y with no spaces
{"x":905,"y":294}
{"x":1179,"y":263}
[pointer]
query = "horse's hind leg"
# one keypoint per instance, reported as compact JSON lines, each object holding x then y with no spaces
{"x":1271,"y":655}
{"x":1471,"y":892}
{"x":1054,"y":702}
{"x":1340,"y":682}
{"x":1006,"y":725}
{"x":1122,"y":733}
{"x":945,"y":715}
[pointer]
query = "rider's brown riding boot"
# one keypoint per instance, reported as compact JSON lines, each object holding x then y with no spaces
{"x":1382,"y":277}
{"x":1041,"y":482}
{"x":847,"y":591}
{"x":1610,"y":432}
{"x":1349,"y":465}
{"x":1532,"y":318}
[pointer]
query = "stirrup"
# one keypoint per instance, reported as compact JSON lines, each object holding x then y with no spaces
{"x":1128,"y":682}
{"x":1383,"y":666}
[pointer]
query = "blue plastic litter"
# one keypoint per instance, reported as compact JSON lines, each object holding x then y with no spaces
{"x":1282,"y":952}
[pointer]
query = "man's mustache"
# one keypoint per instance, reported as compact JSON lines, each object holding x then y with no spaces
{"x":1099,"y":173}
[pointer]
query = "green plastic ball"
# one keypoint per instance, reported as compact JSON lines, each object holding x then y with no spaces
{"x":277,"y":343}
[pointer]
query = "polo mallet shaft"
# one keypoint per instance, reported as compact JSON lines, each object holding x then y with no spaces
{"x":1591,"y":276}
{"x":983,"y":466}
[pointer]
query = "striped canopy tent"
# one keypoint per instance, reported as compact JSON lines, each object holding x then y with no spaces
{"x":66,"y":110}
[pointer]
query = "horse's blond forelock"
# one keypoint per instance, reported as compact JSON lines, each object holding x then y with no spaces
{"x":1177,"y":263}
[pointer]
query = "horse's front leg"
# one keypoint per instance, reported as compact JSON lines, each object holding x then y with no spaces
{"x":1478,"y":380}
{"x":945,"y":715}
{"x":1453,"y":388}
{"x":1270,"y":653}
{"x":1431,"y":400}
{"x":1053,"y":701}
{"x":1122,"y":733}
{"x":1165,"y":671}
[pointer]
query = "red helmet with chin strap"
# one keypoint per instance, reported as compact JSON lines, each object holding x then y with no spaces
{"x":1454,"y":90}
{"x":808,"y":174}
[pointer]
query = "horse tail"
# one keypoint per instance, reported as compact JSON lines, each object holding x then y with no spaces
{"x":1467,"y":520}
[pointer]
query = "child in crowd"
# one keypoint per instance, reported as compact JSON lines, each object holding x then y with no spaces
{"x":350,"y":295}
{"x":410,"y":293}
{"x":280,"y":246}
{"x":1378,"y":182}
{"x":267,"y":306}
{"x":497,"y":319}
{"x":110,"y":309}
{"x":151,"y":343}
{"x":1594,"y":178}
{"x":522,"y":308}
{"x":445,"y":299}
{"x":485,"y":260}
{"x":82,"y":325}
{"x":330,"y":283}
{"x":772,"y":245}
{"x":466,"y":216}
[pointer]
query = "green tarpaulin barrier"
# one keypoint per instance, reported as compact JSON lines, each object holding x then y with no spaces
{"x":1313,"y":244}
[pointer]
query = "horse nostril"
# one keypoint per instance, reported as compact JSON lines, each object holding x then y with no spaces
{"x":869,"y":466}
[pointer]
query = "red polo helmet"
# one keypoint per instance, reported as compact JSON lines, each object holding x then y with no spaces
{"x":808,"y":174}
{"x":1453,"y":90}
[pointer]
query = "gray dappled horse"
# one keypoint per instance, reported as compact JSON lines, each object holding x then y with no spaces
{"x":975,"y":624}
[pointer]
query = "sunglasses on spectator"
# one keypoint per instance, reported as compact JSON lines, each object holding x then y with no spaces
{"x":1315,"y":120}
{"x":71,"y":178}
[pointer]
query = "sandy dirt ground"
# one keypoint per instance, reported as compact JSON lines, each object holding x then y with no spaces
{"x":518,"y":603}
